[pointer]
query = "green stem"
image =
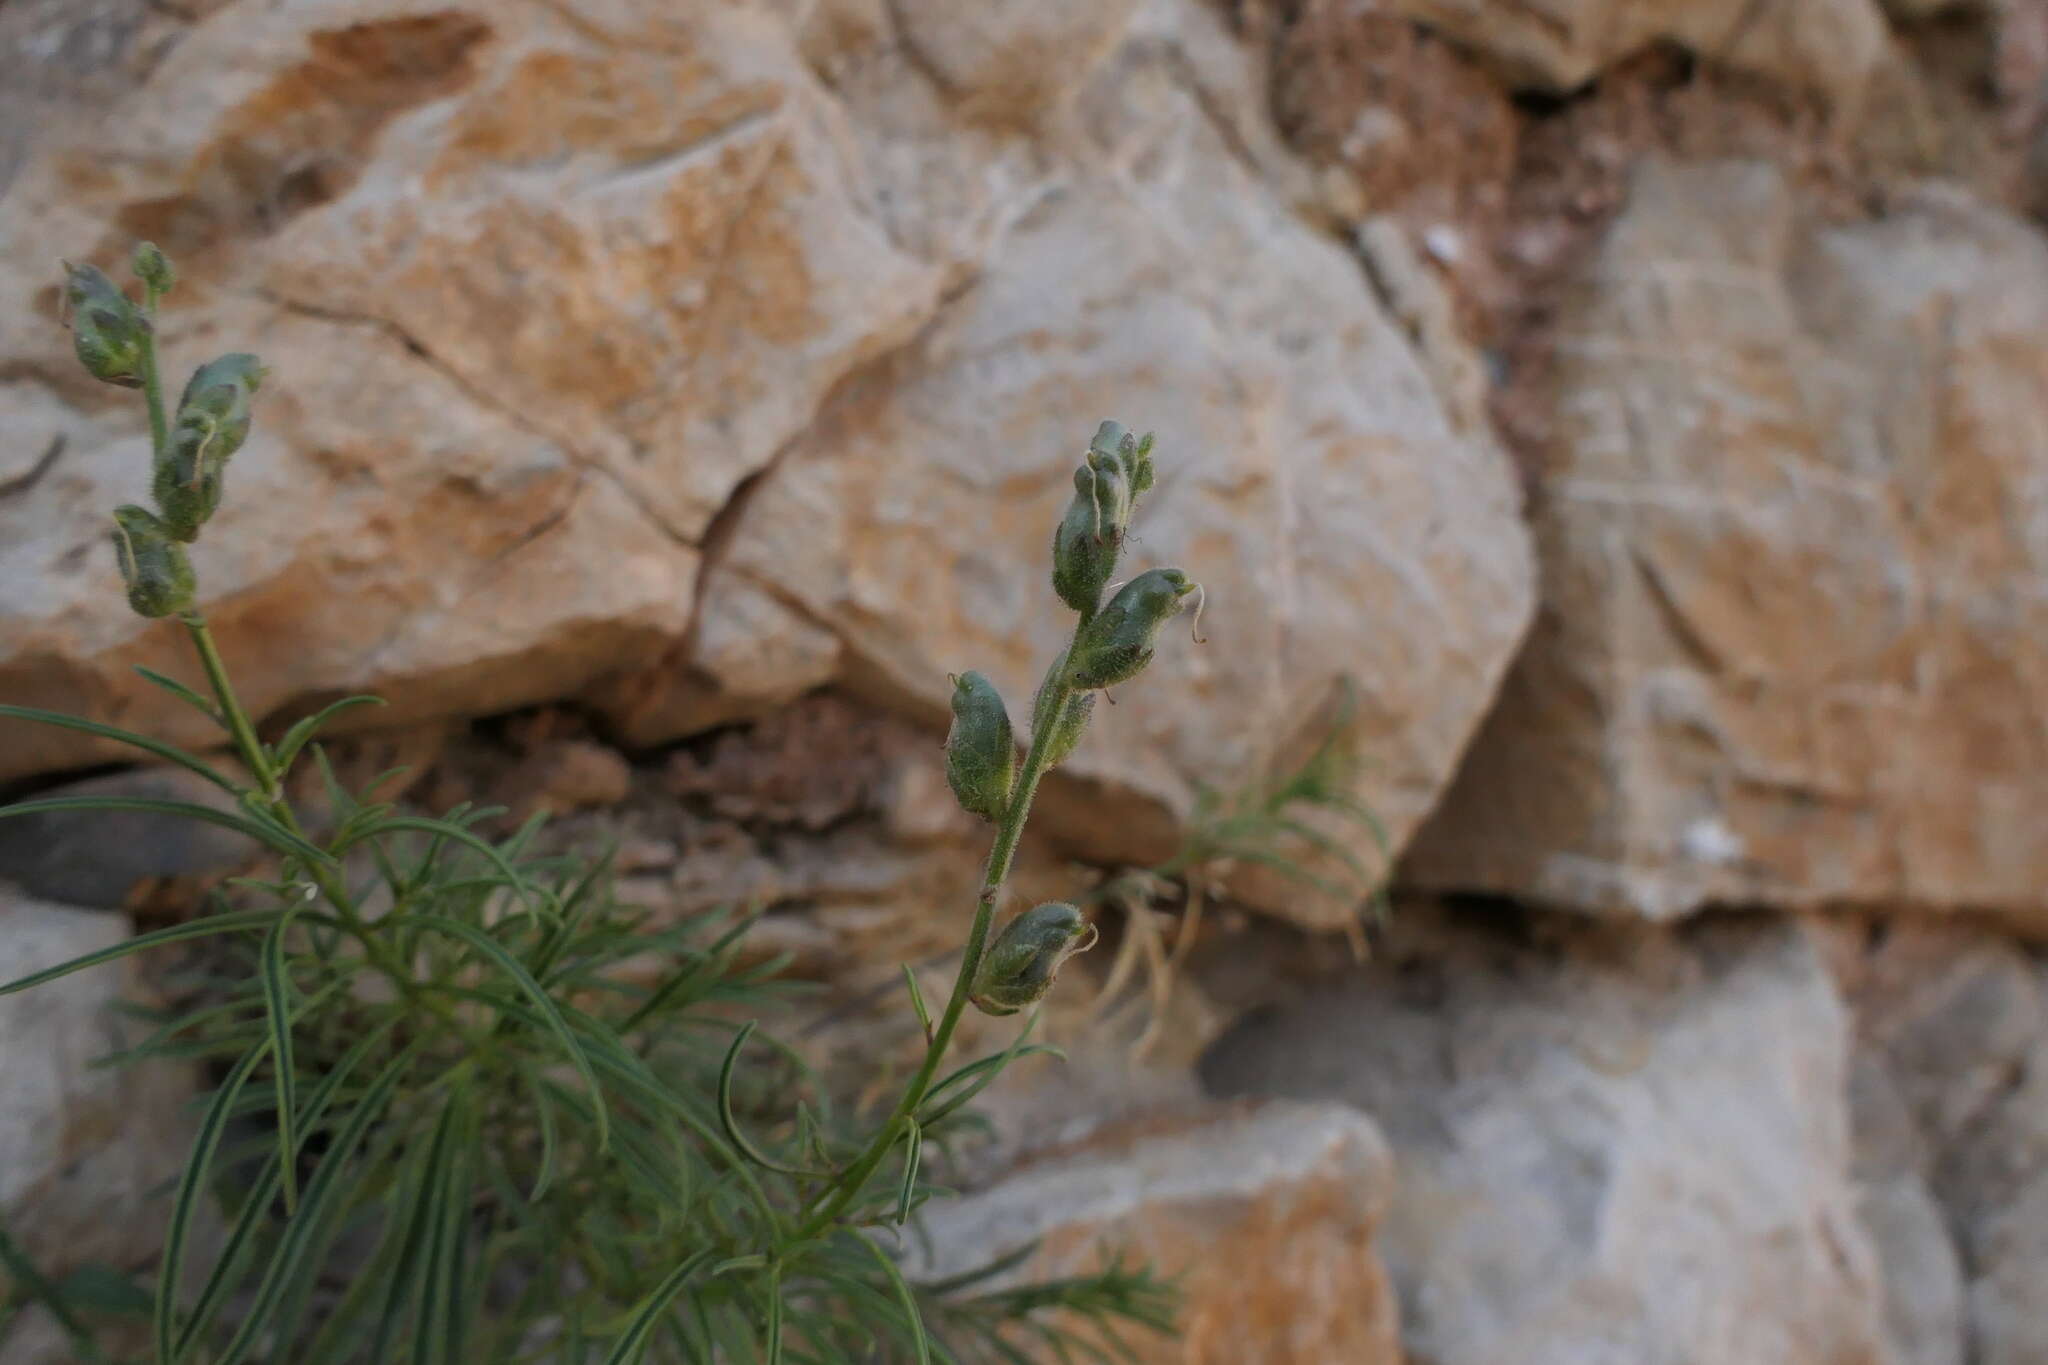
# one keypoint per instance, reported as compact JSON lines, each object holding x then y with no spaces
{"x":257,"y":759}
{"x":1000,"y":855}
{"x":236,"y":719}
{"x":152,"y":382}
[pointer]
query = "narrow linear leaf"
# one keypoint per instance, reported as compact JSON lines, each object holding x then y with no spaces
{"x":233,"y":922}
{"x":772,"y":1334}
{"x":426,"y":825}
{"x":731,"y":1124}
{"x":924,"y":1014}
{"x":169,"y":752}
{"x":191,"y":1184}
{"x":913,"y":1155}
{"x":263,"y":831}
{"x":549,"y":1013}
{"x":31,"y":1281}
{"x":903,"y":1293}
{"x":255,"y":1209}
{"x":295,"y":738}
{"x":320,"y":1193}
{"x":628,"y":1348}
{"x":277,"y":1005}
{"x":205,"y":705}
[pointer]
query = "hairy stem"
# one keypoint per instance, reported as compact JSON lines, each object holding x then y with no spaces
{"x":152,"y":382}
{"x":1008,"y":831}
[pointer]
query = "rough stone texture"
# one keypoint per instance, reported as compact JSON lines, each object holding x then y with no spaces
{"x":1270,"y":1213}
{"x":1308,"y":476}
{"x":1615,"y":1144}
{"x":1791,"y":540}
{"x":87,"y":1156}
{"x":691,"y":358}
{"x":1829,"y":46}
{"x":1951,"y":1110}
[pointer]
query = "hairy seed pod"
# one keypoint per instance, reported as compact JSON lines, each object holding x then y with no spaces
{"x":153,"y":565}
{"x":215,"y":403}
{"x":981,"y":752}
{"x":1019,"y":967}
{"x":153,"y":268}
{"x":1117,"y":644}
{"x":187,"y":480}
{"x":1068,"y":727}
{"x":107,"y":330}
{"x":1091,"y":534}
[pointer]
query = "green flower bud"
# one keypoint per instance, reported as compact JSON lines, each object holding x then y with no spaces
{"x":153,"y":268}
{"x":1091,"y":534}
{"x":1019,"y":967}
{"x":1117,"y":643}
{"x":154,"y":566}
{"x":107,"y":330}
{"x":981,"y":753}
{"x":216,"y":402}
{"x":1132,"y":454}
{"x":187,"y":480}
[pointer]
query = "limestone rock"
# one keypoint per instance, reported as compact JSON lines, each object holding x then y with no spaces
{"x":682,"y":360}
{"x":1614,"y":1144}
{"x":539,"y":288}
{"x":1952,"y":1115}
{"x":1308,"y":476}
{"x":1270,"y":1213}
{"x":87,"y":1156}
{"x":1828,"y":46}
{"x":1791,"y":540}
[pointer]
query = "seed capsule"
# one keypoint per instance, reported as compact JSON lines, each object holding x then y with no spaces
{"x":1019,"y":967}
{"x":153,"y":565}
{"x":187,"y":482}
{"x":108,"y":331}
{"x":1117,"y":643}
{"x":981,"y":752}
{"x":215,"y":403}
{"x":1091,"y":534}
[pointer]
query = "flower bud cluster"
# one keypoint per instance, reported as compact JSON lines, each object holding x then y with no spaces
{"x":115,"y":339}
{"x":1112,"y":643}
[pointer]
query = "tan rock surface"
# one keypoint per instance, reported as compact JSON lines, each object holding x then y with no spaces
{"x":1270,"y":1215}
{"x":690,"y":358}
{"x":1792,"y":545}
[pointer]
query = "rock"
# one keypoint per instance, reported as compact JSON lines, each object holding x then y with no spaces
{"x":1615,"y":1144}
{"x":88,"y":1157}
{"x":1952,"y":1120}
{"x":1790,"y":536}
{"x":1269,"y":1212}
{"x":538,"y":290}
{"x":916,"y":514}
{"x":107,"y":859}
{"x":685,"y":361}
{"x":566,"y":775}
{"x":1829,"y":47}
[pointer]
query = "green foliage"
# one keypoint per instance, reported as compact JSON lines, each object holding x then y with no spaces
{"x":467,"y":1106}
